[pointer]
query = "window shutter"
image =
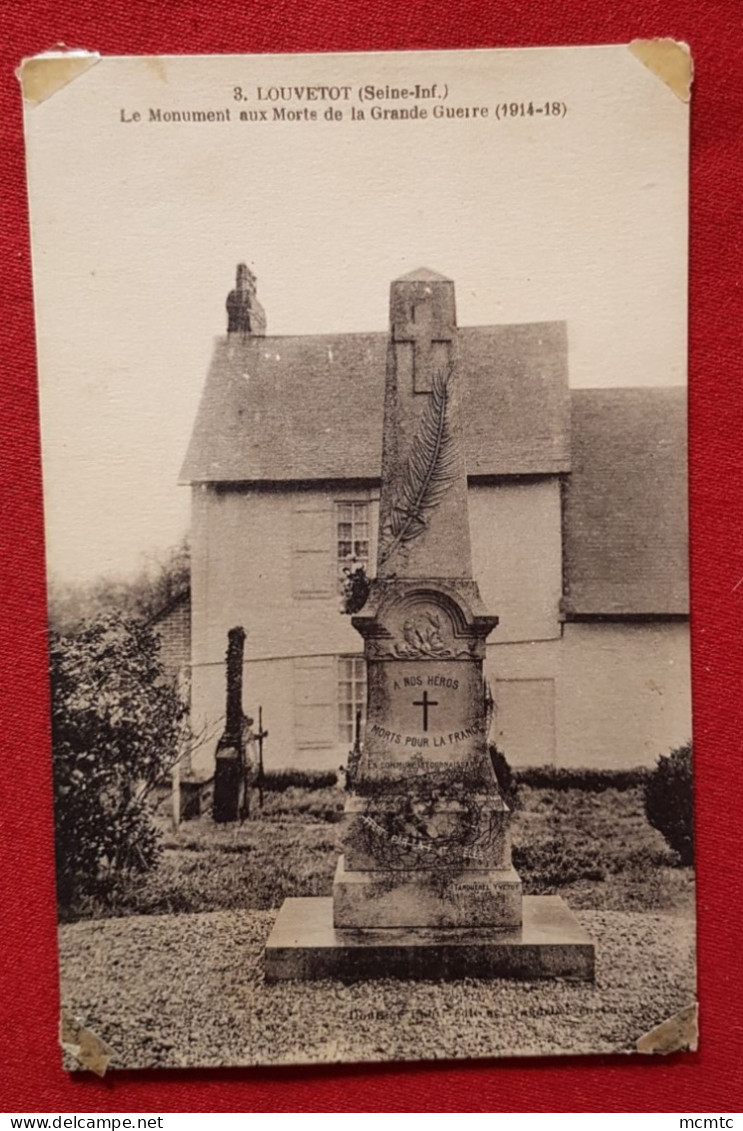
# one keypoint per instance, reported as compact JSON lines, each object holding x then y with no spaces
{"x":315,"y":702}
{"x":313,"y":545}
{"x":373,"y":532}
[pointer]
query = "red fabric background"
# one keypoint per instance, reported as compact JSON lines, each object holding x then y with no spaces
{"x":707,"y":1081}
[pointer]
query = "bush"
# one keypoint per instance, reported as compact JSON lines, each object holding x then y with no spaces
{"x":590,"y":781}
{"x":669,"y":801}
{"x":279,"y":780}
{"x":507,"y":783}
{"x":118,"y":727}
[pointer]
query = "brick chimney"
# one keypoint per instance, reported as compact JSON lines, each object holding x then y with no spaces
{"x":245,"y":315}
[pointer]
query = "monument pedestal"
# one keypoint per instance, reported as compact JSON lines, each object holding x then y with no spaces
{"x":550,"y":943}
{"x":426,"y":899}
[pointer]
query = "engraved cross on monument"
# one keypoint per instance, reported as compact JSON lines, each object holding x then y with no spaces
{"x":425,"y":886}
{"x":426,"y":328}
{"x":425,"y":703}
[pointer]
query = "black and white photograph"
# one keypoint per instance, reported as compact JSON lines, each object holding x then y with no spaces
{"x":362,"y":386}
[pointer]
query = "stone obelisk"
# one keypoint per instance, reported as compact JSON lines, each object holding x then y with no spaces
{"x":424,"y":843}
{"x":425,"y":886}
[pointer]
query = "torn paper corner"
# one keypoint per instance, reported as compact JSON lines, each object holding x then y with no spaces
{"x":670,"y":60}
{"x":83,"y":1045}
{"x":43,"y":75}
{"x":679,"y":1033}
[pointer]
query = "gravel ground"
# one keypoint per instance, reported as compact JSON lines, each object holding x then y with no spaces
{"x":187,"y":990}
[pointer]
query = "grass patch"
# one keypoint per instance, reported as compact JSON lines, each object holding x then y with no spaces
{"x":576,"y":834}
{"x":594,"y":847}
{"x":597,"y":849}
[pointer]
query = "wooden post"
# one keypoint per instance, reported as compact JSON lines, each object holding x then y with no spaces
{"x":229,"y":773}
{"x":176,"y":794}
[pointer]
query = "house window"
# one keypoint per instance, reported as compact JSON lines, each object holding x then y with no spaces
{"x":352,"y":532}
{"x":351,"y":696}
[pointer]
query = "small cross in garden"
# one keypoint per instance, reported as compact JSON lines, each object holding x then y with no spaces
{"x":425,"y":703}
{"x":260,"y":734}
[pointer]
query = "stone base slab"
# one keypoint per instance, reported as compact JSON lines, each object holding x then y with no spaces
{"x":304,"y":945}
{"x":430,"y":899}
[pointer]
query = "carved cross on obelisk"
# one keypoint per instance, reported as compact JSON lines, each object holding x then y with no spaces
{"x":430,"y":336}
{"x":423,"y":524}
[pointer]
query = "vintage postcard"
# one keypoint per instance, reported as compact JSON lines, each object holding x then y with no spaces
{"x":363,"y":410}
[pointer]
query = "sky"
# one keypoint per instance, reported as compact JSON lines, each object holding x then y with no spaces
{"x":137,"y":228}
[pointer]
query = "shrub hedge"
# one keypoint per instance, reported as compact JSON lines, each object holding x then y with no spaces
{"x":509,"y":780}
{"x":280,"y":780}
{"x":591,"y":781}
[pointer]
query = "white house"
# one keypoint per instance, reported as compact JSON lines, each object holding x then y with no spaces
{"x":578,"y":512}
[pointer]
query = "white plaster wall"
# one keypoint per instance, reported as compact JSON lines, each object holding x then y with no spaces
{"x":517,"y":555}
{"x":270,"y":684}
{"x":622,"y":693}
{"x":265,"y":683}
{"x":242,"y":574}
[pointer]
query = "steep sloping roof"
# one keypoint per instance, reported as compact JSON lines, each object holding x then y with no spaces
{"x":310,"y":408}
{"x":299,"y":408}
{"x":625,"y":518}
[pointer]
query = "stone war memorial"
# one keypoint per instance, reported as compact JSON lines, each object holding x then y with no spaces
{"x":425,"y":887}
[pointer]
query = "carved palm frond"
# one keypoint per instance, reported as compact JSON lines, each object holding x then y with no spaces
{"x":430,"y":471}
